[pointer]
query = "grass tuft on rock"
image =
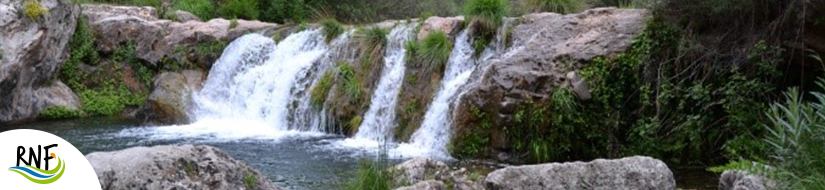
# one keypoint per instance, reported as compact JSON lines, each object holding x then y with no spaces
{"x":33,"y":10}
{"x":372,"y":41}
{"x":432,"y":52}
{"x":332,"y":29}
{"x":556,"y":6}
{"x":321,"y":89}
{"x":486,"y":15}
{"x":204,"y":9}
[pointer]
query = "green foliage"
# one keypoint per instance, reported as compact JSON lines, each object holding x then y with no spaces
{"x":110,"y":99}
{"x":239,"y":9}
{"x":557,"y":6}
{"x":249,"y":181}
{"x":351,"y":81}
{"x":473,"y":143}
{"x":332,"y":29}
{"x":432,"y":52}
{"x":33,"y":10}
{"x":321,"y":89}
{"x":204,"y":9}
{"x":59,"y":112}
{"x":796,"y":134}
{"x":479,"y":44}
{"x":373,"y":174}
{"x":210,"y":48}
{"x":233,"y":23}
{"x":282,"y":11}
{"x":82,"y":46}
{"x":355,"y":123}
{"x":487,"y":15}
{"x":303,"y":26}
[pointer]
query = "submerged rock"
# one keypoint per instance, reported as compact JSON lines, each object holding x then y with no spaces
{"x":739,"y":180}
{"x":31,"y":51}
{"x":626,"y":173}
{"x":174,"y":167}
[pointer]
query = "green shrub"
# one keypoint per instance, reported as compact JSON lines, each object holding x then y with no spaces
{"x":433,"y":52}
{"x":321,"y":89}
{"x":486,"y":15}
{"x":204,"y":9}
{"x":282,"y":11}
{"x":33,"y":10}
{"x":239,"y":9}
{"x":471,"y":143}
{"x":557,"y":6}
{"x":59,"y":112}
{"x":372,"y":175}
{"x":82,"y":47}
{"x":332,"y":29}
{"x":372,"y":42}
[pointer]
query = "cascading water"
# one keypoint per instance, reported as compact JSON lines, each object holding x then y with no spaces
{"x":431,"y":138}
{"x":250,"y":87}
{"x":380,"y":118}
{"x":434,"y":134}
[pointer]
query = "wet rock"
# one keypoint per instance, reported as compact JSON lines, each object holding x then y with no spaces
{"x":739,"y":180}
{"x":32,"y":50}
{"x":449,"y":25}
{"x":171,"y":98}
{"x":184,"y":16}
{"x":626,"y":173}
{"x":174,"y":167}
{"x":426,"y":185}
{"x":420,"y":169}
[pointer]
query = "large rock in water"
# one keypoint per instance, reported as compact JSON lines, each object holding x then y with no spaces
{"x":738,"y":180}
{"x":171,"y":99}
{"x":174,"y":167}
{"x":626,"y":173}
{"x":31,"y":50}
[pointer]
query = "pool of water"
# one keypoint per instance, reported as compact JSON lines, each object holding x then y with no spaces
{"x":300,"y":161}
{"x":295,"y":160}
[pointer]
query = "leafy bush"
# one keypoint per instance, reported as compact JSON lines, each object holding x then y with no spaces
{"x":557,"y":6}
{"x":204,"y":9}
{"x":372,"y":42}
{"x":321,"y":89}
{"x":486,"y":15}
{"x":332,"y":29}
{"x":239,"y":9}
{"x":33,"y":10}
{"x":431,"y":52}
{"x":59,"y":112}
{"x":282,"y":11}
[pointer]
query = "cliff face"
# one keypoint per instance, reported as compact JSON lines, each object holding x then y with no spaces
{"x":547,"y":51}
{"x":33,"y":48}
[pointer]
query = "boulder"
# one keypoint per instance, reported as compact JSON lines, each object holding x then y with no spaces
{"x":184,"y":16}
{"x":174,"y":167}
{"x":158,"y":39}
{"x":449,"y":25}
{"x":171,"y":98}
{"x":626,"y":173}
{"x":419,"y":169}
{"x":426,"y":185}
{"x":32,"y":51}
{"x":739,"y":180}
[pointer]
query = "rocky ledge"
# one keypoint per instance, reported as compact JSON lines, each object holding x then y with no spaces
{"x":627,"y":173}
{"x":174,"y":167}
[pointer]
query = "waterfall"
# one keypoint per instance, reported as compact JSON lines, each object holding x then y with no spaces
{"x":379,"y":120}
{"x":434,"y":134}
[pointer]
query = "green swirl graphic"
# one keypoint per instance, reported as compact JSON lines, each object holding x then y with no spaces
{"x":60,"y":167}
